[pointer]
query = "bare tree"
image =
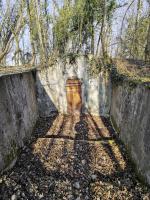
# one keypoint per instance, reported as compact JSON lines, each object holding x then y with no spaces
{"x":11,"y":25}
{"x":147,"y":47}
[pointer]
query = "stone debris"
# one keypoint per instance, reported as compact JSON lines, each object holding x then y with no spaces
{"x":72,"y":163}
{"x":76,"y":185}
{"x":93,"y":177}
{"x":13,"y":197}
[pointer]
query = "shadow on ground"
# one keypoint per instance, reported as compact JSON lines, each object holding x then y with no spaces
{"x":72,"y":157}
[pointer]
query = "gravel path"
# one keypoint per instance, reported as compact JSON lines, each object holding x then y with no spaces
{"x":72,"y":158}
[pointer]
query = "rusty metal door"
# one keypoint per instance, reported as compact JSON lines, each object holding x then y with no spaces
{"x":74,"y":99}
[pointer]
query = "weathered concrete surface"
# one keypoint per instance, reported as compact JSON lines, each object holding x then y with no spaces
{"x":18,"y":114}
{"x":51,"y":94}
{"x":98,"y":96}
{"x":51,"y":88}
{"x":130,"y":112}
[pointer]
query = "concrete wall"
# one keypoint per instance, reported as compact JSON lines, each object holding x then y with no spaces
{"x":129,"y":110}
{"x":18,"y":114}
{"x":51,"y":81}
{"x":130,"y":113}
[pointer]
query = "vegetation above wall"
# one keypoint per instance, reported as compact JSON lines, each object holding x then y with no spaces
{"x":130,"y":70}
{"x":97,"y":65}
{"x":36,"y":31}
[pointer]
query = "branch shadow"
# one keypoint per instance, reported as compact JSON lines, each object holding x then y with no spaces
{"x":71,"y":175}
{"x":31,"y":179}
{"x":81,"y":162}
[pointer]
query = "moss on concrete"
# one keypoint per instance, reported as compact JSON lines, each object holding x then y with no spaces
{"x":9,"y":157}
{"x":114,"y":124}
{"x":139,"y":175}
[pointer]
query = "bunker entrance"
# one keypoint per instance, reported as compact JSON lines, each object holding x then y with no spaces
{"x":73,"y":92}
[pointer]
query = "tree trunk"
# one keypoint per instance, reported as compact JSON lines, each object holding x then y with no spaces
{"x":147,"y":47}
{"x":134,"y":50}
{"x":38,"y":23}
{"x":31,"y":32}
{"x":98,"y":43}
{"x":92,"y":34}
{"x":103,"y":26}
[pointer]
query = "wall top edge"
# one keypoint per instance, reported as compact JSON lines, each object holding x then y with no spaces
{"x":12,"y":70}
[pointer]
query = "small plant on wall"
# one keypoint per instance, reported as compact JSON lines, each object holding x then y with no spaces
{"x":96,"y":65}
{"x":70,"y":57}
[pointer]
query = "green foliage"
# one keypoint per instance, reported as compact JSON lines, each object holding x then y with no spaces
{"x":62,"y":27}
{"x":111,"y":6}
{"x":135,"y":36}
{"x":71,"y":56}
{"x":95,"y":67}
{"x":137,"y":48}
{"x":77,"y":23}
{"x":121,"y":74}
{"x":116,"y":77}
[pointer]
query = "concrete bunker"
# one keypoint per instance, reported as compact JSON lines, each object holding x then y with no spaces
{"x":26,"y":95}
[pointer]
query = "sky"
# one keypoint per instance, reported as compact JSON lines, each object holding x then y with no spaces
{"x":116,"y":23}
{"x":119,"y":14}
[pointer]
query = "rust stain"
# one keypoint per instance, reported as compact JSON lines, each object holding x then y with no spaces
{"x":74,"y":100}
